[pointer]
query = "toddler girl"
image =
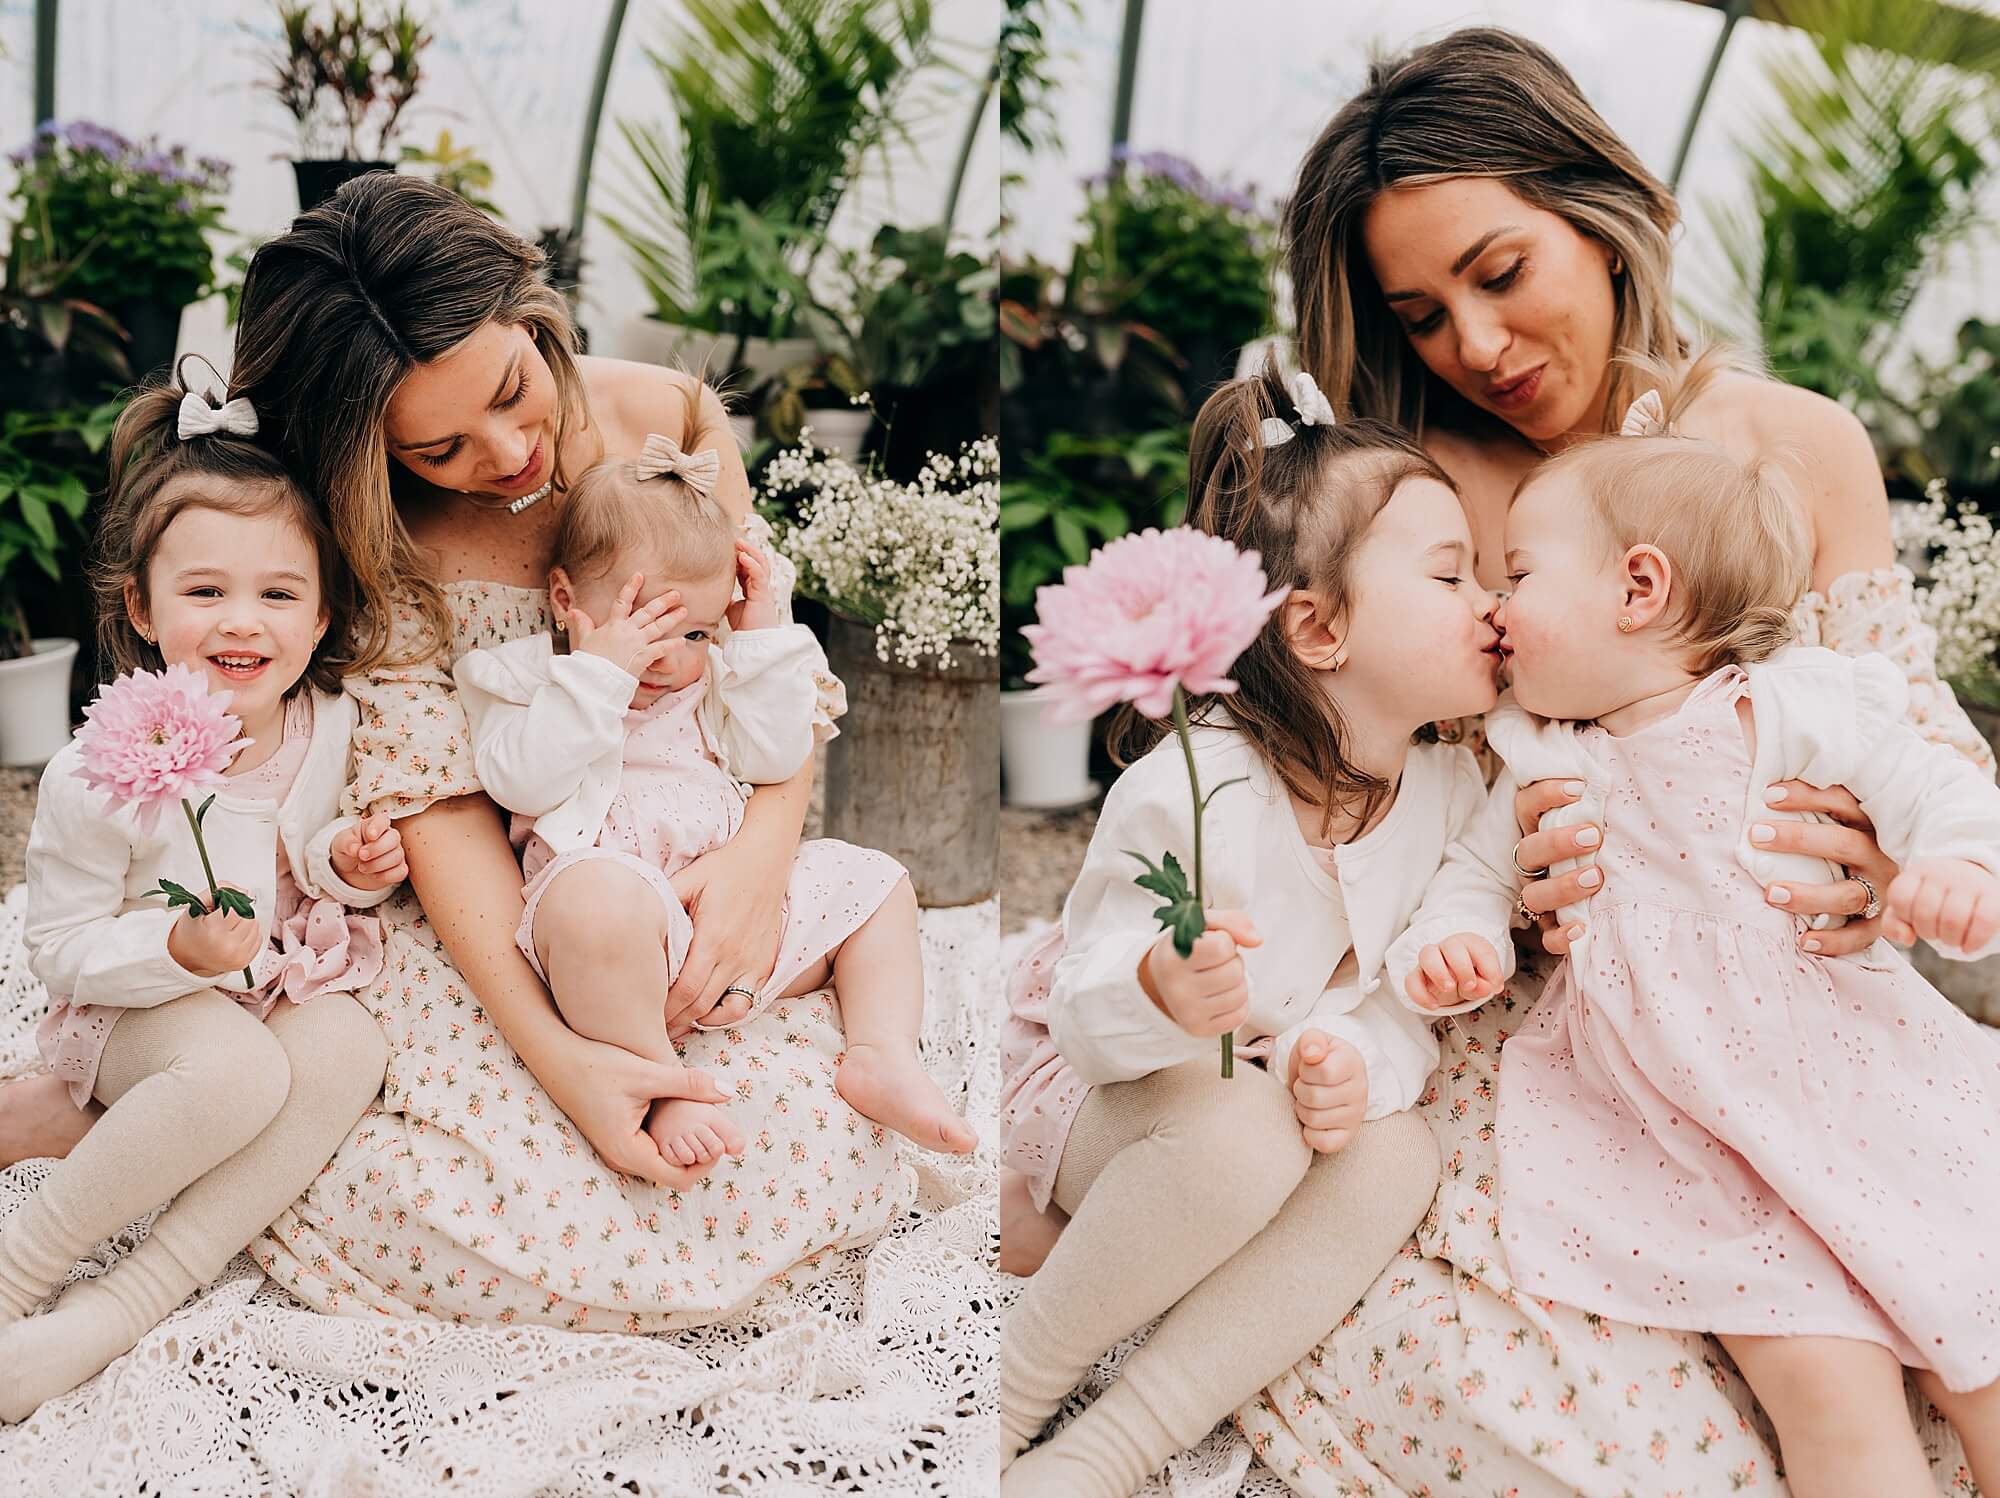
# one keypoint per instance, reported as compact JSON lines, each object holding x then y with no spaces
{"x":1263,"y":1204}
{"x":1702,"y":1124}
{"x":210,"y":561}
{"x":625,"y":745}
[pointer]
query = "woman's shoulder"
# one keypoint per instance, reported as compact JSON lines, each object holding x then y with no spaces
{"x":629,"y":400}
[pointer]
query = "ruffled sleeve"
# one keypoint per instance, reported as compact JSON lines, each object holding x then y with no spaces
{"x":412,"y":745}
{"x":829,"y":692}
{"x":1876,"y":611}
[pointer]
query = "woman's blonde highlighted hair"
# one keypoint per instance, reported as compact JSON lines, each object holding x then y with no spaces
{"x":389,"y":273}
{"x":1739,"y":548}
{"x":1481,"y":102}
{"x":1304,"y":505}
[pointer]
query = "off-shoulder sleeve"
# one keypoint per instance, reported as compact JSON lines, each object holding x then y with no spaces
{"x":412,"y":745}
{"x":1877,"y":611}
{"x":829,"y":692}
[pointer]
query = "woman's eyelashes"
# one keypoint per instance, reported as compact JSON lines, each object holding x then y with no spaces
{"x":438,"y":460}
{"x":1502,"y":282}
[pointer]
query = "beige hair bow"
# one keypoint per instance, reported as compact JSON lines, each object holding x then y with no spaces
{"x":662,"y":457}
{"x":1645,"y":417}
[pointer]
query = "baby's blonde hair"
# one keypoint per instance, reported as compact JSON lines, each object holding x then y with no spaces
{"x":1740,"y":551}
{"x":612,"y":512}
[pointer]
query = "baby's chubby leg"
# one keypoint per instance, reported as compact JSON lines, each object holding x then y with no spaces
{"x":878,"y":975}
{"x":601,"y":936}
{"x":1975,"y":1415}
{"x":1843,"y":1423}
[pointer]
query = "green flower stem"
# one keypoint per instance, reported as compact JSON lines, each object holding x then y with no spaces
{"x":215,"y":891}
{"x":1200,"y":809}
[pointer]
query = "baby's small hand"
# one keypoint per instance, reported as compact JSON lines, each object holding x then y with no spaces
{"x":1207,"y":993}
{"x":1454,"y":971}
{"x":1329,"y":1090}
{"x":757,"y":608}
{"x":369,"y":854}
{"x":1946,"y":901}
{"x":629,"y":638}
{"x":215,"y":943}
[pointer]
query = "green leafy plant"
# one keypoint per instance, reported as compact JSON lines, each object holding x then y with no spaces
{"x":1077,"y":493}
{"x":43,"y":498}
{"x":455,"y":168}
{"x":113,"y":220}
{"x":342,"y":72}
{"x":1863,"y":176}
{"x":775,"y":104}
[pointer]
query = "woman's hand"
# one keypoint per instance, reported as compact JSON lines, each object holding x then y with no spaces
{"x":1539,"y":850}
{"x":737,"y":905}
{"x":607,"y":1091}
{"x":1850,"y":842}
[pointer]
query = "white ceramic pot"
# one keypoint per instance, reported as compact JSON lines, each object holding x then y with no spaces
{"x":1042,"y":765}
{"x":34,"y":703}
{"x":706,"y":352}
{"x":842,"y":429}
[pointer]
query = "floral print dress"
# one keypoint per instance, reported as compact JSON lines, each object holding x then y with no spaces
{"x":466,"y":1194}
{"x":1449,"y":1378}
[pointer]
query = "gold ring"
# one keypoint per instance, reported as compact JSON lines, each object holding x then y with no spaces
{"x":1527,"y":915}
{"x":1874,"y":906}
{"x":1515,"y":859}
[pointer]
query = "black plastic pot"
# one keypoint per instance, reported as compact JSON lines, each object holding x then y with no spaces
{"x":153,"y":329}
{"x":320,"y":180}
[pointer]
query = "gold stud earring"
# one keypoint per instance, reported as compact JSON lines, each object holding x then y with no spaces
{"x":1625,"y":625}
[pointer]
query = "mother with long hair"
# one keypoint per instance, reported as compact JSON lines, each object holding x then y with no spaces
{"x":1472,"y":251}
{"x":419,"y":376}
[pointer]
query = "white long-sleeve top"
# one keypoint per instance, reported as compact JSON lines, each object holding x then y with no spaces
{"x":1821,"y":718}
{"x":1255,"y":858}
{"x":548,"y":730}
{"x":92,"y":934}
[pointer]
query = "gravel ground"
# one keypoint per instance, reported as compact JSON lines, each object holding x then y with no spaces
{"x":1040,"y":852}
{"x":17,"y":810}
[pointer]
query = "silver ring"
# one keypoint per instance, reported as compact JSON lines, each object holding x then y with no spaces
{"x":1515,"y":859}
{"x":1874,"y":906}
{"x":747,"y":993}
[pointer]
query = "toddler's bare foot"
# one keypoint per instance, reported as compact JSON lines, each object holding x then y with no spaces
{"x":1027,"y":1233}
{"x":38,"y":1120}
{"x":691,"y":1133}
{"x":890,"y":1086}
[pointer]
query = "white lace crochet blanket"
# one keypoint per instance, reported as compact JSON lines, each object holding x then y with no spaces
{"x":882,"y":1378}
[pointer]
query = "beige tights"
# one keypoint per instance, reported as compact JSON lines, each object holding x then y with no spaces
{"x":233,"y":1115}
{"x":1189,"y":1192}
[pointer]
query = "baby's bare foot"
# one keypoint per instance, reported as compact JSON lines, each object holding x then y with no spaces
{"x":691,"y":1133}
{"x":890,"y":1086}
{"x":38,"y":1120}
{"x":1027,"y":1232}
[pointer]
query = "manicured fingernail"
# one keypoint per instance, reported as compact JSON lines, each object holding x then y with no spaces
{"x":1811,"y":944}
{"x":1774,"y":795}
{"x":1779,"y":895}
{"x":1762,"y":833}
{"x":1572,"y":787}
{"x":1587,"y":837}
{"x":1575,"y":933}
{"x":1590,"y":879}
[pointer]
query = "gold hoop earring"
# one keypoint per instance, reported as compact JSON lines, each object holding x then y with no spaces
{"x":1625,"y":625}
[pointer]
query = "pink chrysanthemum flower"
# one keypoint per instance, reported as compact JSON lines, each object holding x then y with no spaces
{"x":1151,"y":612}
{"x":154,"y":738}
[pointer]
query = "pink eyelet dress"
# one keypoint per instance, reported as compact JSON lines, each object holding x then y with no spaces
{"x":1702,"y":1126}
{"x":317,"y":945}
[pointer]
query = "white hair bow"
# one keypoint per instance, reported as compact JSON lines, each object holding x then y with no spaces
{"x":1645,"y":417}
{"x":662,"y":457}
{"x":1313,"y":409}
{"x":237,"y":418}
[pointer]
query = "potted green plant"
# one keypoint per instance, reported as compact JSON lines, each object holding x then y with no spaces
{"x":911,"y":343}
{"x":910,"y":573}
{"x":120,"y":225}
{"x":774,"y":106}
{"x":1058,"y":504}
{"x":457,"y":169}
{"x":43,"y":498}
{"x":341,"y":75}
